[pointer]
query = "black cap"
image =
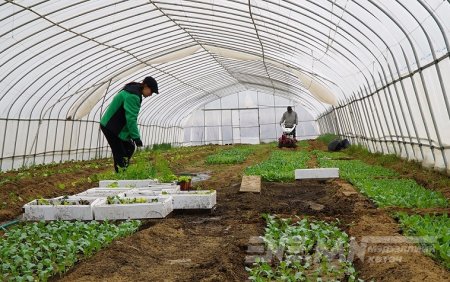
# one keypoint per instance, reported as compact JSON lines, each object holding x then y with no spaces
{"x":151,"y":82}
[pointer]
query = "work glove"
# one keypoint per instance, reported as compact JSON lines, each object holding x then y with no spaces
{"x":138,"y":142}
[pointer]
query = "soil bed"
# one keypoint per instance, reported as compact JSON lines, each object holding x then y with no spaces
{"x":212,"y":247}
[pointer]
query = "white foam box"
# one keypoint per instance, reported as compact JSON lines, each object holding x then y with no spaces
{"x":317,"y":173}
{"x":145,"y":192}
{"x":198,"y":199}
{"x":167,"y":187}
{"x":102,"y":192}
{"x":161,"y":185}
{"x":150,"y":209}
{"x":127,"y":183}
{"x":56,"y":211}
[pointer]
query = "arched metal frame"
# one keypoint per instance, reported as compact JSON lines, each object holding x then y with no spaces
{"x":53,"y":52}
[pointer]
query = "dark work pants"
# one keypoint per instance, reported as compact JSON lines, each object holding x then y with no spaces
{"x":121,"y":150}
{"x":294,"y":132}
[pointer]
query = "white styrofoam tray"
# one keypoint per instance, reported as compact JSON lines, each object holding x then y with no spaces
{"x":160,"y":186}
{"x":127,"y":183}
{"x":160,"y":209}
{"x":198,"y":199}
{"x":55,"y":211}
{"x":102,"y":192}
{"x":146,"y":192}
{"x":317,"y":173}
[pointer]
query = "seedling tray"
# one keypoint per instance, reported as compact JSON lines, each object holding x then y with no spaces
{"x":102,"y":192}
{"x":127,"y":183}
{"x":56,"y":211}
{"x":160,"y":209}
{"x":147,"y":192}
{"x":199,"y":199}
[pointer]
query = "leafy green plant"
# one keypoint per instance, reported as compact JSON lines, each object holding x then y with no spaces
{"x":280,"y":167}
{"x":327,"y":138}
{"x":352,"y":169}
{"x":42,"y":201}
{"x":162,"y":147}
{"x":400,"y":193}
{"x":162,"y":168}
{"x":436,"y":227}
{"x":113,"y":185}
{"x":140,"y":168}
{"x":232,"y":156}
{"x":184,"y":178}
{"x":47,"y":170}
{"x":37,"y":251}
{"x":306,"y":250}
{"x":371,"y":181}
{"x":116,"y":200}
{"x":64,"y":201}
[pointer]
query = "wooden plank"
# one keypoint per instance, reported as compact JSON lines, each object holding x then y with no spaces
{"x":251,"y":183}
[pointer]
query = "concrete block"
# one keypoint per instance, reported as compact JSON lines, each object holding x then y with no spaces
{"x":54,"y":210}
{"x":317,"y":173}
{"x":199,"y":199}
{"x":127,"y":183}
{"x":256,"y":250}
{"x":256,"y":240}
{"x":154,"y":207}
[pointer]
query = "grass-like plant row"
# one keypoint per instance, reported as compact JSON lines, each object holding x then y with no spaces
{"x":306,"y":250}
{"x":435,"y":231}
{"x":281,"y":166}
{"x":399,"y":193}
{"x":380,"y":184}
{"x":36,"y":251}
{"x":231,"y":156}
{"x":143,"y":168}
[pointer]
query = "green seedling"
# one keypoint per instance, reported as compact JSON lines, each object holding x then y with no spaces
{"x":37,"y":251}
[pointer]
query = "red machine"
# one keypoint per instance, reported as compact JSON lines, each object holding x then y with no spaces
{"x":287,"y":139}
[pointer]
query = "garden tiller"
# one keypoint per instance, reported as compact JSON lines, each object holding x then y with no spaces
{"x":287,"y":139}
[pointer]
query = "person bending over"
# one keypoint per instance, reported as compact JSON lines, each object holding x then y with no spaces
{"x":119,"y":122}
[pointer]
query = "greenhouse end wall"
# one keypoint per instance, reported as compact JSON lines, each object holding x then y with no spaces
{"x":247,"y":117}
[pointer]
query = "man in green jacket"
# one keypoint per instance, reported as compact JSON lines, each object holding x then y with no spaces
{"x":119,"y":122}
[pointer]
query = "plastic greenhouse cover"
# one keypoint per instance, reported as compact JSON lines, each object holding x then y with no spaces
{"x":66,"y":59}
{"x":104,"y":36}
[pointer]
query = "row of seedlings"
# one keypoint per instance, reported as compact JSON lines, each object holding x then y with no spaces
{"x":387,"y":189}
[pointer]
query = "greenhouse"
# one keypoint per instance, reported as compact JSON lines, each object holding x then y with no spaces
{"x":225,"y":140}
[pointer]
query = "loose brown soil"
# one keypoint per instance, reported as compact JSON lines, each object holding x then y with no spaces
{"x":14,"y":194}
{"x":213,"y":246}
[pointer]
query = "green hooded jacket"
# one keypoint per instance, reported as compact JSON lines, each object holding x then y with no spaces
{"x":121,"y":115}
